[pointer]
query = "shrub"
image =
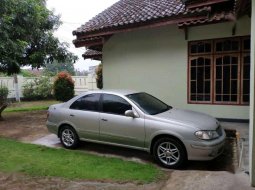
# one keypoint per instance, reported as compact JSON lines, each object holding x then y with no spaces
{"x":99,"y":78}
{"x":28,"y":91}
{"x":38,"y":89}
{"x":3,"y":94}
{"x":63,"y":87}
{"x":3,"y":99}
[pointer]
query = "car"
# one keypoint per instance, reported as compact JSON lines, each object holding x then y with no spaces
{"x":140,"y":121}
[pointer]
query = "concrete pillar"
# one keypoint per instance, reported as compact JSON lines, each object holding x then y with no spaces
{"x":252,"y":100}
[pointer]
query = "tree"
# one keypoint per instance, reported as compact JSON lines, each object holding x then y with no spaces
{"x":3,"y":99}
{"x":99,"y":78}
{"x":54,"y":68}
{"x":26,"y":36}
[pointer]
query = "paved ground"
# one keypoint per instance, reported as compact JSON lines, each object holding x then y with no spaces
{"x":218,"y":180}
{"x":206,"y":180}
{"x":242,"y":143}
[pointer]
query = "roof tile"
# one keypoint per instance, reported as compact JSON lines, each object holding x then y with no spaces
{"x":92,"y":54}
{"x":214,"y":18}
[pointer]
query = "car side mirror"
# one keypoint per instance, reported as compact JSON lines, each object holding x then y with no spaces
{"x":130,"y":113}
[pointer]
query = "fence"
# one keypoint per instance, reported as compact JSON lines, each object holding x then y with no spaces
{"x":82,"y":84}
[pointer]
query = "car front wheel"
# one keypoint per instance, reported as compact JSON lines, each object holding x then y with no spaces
{"x":69,"y":137}
{"x":169,"y":153}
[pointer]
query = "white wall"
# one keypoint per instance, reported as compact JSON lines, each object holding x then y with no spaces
{"x":82,"y":84}
{"x":155,"y":61}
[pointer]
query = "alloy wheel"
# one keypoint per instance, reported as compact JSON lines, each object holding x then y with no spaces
{"x":168,"y":153}
{"x":68,"y":137}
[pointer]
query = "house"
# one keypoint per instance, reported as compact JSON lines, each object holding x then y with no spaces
{"x":92,"y":70}
{"x":192,"y":54}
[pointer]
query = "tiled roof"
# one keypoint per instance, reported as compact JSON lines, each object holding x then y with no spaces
{"x":127,"y":15}
{"x":126,"y":12}
{"x":87,"y":40}
{"x":92,"y":54}
{"x":217,"y":17}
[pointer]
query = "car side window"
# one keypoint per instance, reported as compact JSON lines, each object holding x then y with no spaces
{"x":115,"y":104}
{"x":88,"y":103}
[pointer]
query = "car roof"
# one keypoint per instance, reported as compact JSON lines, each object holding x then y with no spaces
{"x":123,"y":92}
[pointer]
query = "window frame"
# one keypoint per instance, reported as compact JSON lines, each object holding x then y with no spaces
{"x":242,"y":76}
{"x":189,"y":76}
{"x":241,"y":52}
{"x":214,"y":41}
{"x":238,"y":80}
{"x":197,"y":42}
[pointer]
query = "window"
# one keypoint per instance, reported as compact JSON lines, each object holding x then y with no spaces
{"x":148,"y":103}
{"x":246,"y":78}
{"x":226,"y":78}
{"x":219,"y":71}
{"x":200,"y":83}
{"x":115,"y":104}
{"x":88,"y":103}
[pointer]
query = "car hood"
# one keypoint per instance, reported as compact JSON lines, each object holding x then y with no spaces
{"x":191,"y":118}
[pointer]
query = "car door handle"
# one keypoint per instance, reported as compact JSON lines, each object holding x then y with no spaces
{"x":71,"y":115}
{"x":104,"y":119}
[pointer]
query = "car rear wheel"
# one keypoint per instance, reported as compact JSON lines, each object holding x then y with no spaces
{"x":69,"y":137}
{"x":169,"y":152}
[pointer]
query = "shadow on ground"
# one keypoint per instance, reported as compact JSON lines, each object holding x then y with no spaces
{"x":226,"y":162}
{"x":114,"y":151}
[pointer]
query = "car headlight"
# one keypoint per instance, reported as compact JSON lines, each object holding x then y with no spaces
{"x":206,"y":135}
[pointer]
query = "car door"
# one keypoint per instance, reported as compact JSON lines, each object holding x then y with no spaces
{"x":84,"y":114}
{"x":117,"y":128}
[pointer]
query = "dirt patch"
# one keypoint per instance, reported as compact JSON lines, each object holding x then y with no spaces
{"x":23,"y":182}
{"x":24,"y":126}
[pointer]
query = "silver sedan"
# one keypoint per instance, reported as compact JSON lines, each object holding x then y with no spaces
{"x":140,"y":121}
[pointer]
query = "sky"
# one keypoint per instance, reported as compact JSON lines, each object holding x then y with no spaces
{"x":73,"y":14}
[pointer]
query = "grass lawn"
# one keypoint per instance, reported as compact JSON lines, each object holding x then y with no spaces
{"x":30,"y":105}
{"x":42,"y":161}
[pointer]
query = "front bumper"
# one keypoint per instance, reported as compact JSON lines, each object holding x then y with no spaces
{"x":206,"y":150}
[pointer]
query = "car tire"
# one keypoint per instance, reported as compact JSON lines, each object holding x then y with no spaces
{"x":169,"y":153}
{"x":69,"y":137}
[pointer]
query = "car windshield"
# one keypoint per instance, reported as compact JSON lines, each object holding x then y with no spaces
{"x":148,"y":104}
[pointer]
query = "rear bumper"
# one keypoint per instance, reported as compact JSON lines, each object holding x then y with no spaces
{"x":206,"y":150}
{"x":52,"y":127}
